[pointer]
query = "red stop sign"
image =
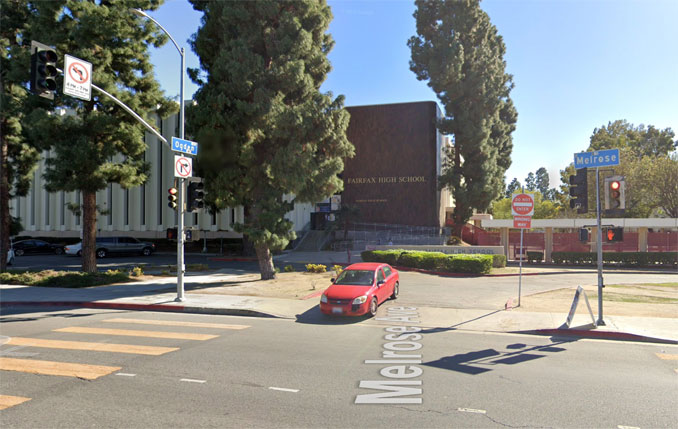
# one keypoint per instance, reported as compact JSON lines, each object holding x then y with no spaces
{"x":522,"y":205}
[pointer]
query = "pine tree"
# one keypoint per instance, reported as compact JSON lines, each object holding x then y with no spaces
{"x":101,"y":143}
{"x":268,"y":137}
{"x":18,"y":158}
{"x":459,"y":52}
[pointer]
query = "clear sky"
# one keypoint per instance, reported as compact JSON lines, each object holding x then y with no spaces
{"x":577,"y":65}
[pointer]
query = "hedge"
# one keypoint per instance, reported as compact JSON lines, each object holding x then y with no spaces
{"x":626,"y":259}
{"x":436,"y":261}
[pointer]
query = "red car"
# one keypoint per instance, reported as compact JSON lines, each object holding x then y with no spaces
{"x":359,"y":289}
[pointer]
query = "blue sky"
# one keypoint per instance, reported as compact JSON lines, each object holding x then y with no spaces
{"x":577,"y":65}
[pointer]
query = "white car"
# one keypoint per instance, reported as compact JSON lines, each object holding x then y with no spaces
{"x":74,"y":249}
{"x":10,"y":256}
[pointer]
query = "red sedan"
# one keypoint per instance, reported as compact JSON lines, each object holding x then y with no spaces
{"x":360,"y":288}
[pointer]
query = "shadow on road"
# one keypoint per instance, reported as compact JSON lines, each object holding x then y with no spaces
{"x":315,"y":317}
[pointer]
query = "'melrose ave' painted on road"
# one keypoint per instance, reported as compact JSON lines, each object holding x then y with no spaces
{"x":398,"y":388}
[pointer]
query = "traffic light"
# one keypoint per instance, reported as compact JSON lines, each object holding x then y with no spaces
{"x":615,"y":190}
{"x":579,"y":197}
{"x":43,"y":70}
{"x":171,"y":233}
{"x":172,"y":198}
{"x":614,"y":235}
{"x":584,"y":235}
{"x":194,"y":196}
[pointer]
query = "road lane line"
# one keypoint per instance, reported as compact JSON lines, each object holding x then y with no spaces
{"x":666,"y":356}
{"x":7,"y":401}
{"x":282,"y":389}
{"x":191,"y":380}
{"x":97,"y":347}
{"x":135,"y":333}
{"x":124,"y":374}
{"x":66,"y":369}
{"x":471,"y":410}
{"x":177,"y":323}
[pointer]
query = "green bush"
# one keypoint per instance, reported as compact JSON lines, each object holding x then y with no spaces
{"x":473,"y":264}
{"x":289,"y":269}
{"x":316,"y":268}
{"x":535,"y":256}
{"x":385,"y":256}
{"x":137,"y":272}
{"x":498,"y":261}
{"x":624,"y":259}
{"x":68,"y":279}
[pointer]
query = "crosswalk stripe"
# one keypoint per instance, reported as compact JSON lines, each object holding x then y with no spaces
{"x":136,"y":333}
{"x":7,"y":401}
{"x":176,"y":323}
{"x":666,"y":356}
{"x":97,"y":347}
{"x":67,"y":369}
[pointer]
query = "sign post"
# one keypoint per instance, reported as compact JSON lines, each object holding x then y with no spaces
{"x":600,"y":158}
{"x":522,"y":209}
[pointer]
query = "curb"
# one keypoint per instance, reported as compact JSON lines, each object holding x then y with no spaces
{"x":143,"y":307}
{"x":599,"y":335}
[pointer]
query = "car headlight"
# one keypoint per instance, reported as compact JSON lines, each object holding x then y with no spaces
{"x":360,"y":299}
{"x":323,"y":298}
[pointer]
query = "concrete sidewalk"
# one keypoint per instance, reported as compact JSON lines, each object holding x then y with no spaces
{"x":159,"y":295}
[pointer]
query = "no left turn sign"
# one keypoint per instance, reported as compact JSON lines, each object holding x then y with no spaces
{"x":77,"y":78}
{"x":183,"y":166}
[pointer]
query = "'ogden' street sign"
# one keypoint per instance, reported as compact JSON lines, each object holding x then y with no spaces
{"x":184,"y":146}
{"x":599,"y":158}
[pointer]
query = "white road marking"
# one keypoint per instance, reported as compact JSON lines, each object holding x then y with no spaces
{"x":282,"y":389}
{"x":124,"y":374}
{"x":471,"y":410}
{"x":627,"y":427}
{"x":190,"y":380}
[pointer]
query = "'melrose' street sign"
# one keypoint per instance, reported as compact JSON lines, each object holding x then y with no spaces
{"x":599,"y":158}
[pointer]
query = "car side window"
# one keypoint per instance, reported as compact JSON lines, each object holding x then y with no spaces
{"x":380,"y":275}
{"x":126,"y":240}
{"x":387,"y":271}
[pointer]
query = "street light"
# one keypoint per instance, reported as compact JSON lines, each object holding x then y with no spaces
{"x":180,"y":226}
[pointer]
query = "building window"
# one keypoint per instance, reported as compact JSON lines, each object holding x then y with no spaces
{"x":126,"y":207}
{"x":62,"y":204}
{"x":47,"y":194}
{"x":109,"y":197}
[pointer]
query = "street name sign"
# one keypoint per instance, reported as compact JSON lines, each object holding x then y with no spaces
{"x":183,"y":166}
{"x":77,"y":78}
{"x":522,"y":204}
{"x":599,"y":158}
{"x":184,"y":146}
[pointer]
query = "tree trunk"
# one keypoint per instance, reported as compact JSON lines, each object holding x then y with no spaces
{"x":89,"y":229}
{"x":4,"y":204}
{"x":265,"y":259}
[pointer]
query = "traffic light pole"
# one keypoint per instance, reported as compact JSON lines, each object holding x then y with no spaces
{"x":182,"y":194}
{"x":599,"y":245}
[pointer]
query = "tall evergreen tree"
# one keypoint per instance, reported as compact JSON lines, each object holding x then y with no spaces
{"x":18,"y":158}
{"x":458,"y":50}
{"x":530,"y":182}
{"x":101,"y":143}
{"x":514,"y":186}
{"x":268,"y":136}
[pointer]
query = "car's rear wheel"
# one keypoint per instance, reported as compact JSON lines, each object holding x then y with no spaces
{"x":396,"y":290}
{"x":18,"y":252}
{"x":101,"y":253}
{"x":373,"y":306}
{"x":79,"y":253}
{"x":58,"y":251}
{"x":146,"y":251}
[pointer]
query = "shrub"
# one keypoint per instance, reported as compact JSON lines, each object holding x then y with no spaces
{"x":386,"y":256}
{"x":535,"y":256}
{"x":137,"y":272}
{"x":626,"y":259}
{"x":337,"y":269}
{"x":474,"y":264}
{"x":498,"y":261}
{"x":316,"y":268}
{"x":289,"y":269}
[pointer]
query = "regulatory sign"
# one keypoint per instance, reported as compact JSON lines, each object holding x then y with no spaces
{"x":522,"y":222}
{"x":184,"y":146}
{"x":522,"y":205}
{"x":183,"y":166}
{"x":599,"y":158}
{"x":77,"y":78}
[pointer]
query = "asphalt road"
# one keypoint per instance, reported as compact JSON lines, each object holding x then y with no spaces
{"x":252,"y":372}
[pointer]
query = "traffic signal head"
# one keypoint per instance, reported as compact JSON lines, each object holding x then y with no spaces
{"x":172,"y":198}
{"x":614,"y":235}
{"x":194,"y":196}
{"x":614,"y":193}
{"x":579,"y":191}
{"x":171,"y":233}
{"x":43,"y":70}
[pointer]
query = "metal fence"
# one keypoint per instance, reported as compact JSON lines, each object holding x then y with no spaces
{"x":359,"y":235}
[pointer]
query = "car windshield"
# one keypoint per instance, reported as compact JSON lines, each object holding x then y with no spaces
{"x":356,"y":277}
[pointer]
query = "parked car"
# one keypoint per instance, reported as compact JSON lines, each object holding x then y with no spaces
{"x":115,"y":245}
{"x":360,"y":288}
{"x":33,"y":246}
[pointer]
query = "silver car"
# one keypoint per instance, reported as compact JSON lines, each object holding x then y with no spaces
{"x":115,"y":245}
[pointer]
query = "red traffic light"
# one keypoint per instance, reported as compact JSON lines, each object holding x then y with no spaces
{"x":615,"y":185}
{"x":172,"y":191}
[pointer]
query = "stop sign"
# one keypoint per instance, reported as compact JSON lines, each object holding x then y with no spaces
{"x":522,"y":205}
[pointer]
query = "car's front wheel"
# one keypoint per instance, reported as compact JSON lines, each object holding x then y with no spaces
{"x":396,"y":290}
{"x":18,"y":252}
{"x":373,"y":306}
{"x":147,"y":251}
{"x":58,"y":251}
{"x":101,"y":253}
